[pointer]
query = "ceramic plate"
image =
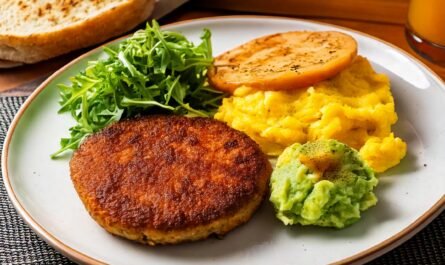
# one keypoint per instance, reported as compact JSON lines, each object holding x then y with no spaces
{"x":410,"y":195}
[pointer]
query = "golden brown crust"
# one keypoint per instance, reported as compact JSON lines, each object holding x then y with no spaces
{"x":159,"y":174}
{"x":31,"y":48}
{"x":9,"y":64}
{"x":283,"y":61}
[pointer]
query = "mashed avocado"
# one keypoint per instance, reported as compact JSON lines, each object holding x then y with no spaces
{"x":323,"y":183}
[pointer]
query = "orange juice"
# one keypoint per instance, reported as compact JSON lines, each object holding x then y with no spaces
{"x":425,"y":31}
{"x":427,"y":19}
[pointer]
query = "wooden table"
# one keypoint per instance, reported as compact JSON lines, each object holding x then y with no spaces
{"x":23,"y":80}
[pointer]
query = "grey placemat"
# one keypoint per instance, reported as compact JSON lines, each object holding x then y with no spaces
{"x":19,"y":244}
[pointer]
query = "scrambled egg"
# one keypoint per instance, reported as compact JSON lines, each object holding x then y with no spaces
{"x":356,"y":107}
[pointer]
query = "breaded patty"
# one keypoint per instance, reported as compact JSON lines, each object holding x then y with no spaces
{"x":169,"y":179}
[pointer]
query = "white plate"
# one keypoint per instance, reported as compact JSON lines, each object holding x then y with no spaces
{"x":410,"y":195}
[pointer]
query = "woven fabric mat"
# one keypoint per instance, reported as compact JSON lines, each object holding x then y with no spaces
{"x":20,"y":245}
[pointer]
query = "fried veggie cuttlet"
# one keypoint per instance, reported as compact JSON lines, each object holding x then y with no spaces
{"x":168,"y":179}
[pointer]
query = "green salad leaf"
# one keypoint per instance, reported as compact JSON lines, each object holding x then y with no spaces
{"x":153,"y":71}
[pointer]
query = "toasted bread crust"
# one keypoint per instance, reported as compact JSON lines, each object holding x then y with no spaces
{"x":167,"y":179}
{"x":9,"y":64}
{"x":39,"y":46}
{"x":283,"y":61}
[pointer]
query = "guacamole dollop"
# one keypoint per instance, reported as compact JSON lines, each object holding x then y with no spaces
{"x":323,"y":183}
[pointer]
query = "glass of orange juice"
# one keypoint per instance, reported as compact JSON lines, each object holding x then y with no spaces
{"x":425,"y":30}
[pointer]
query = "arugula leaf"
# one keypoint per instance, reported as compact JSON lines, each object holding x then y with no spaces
{"x":152,"y":71}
